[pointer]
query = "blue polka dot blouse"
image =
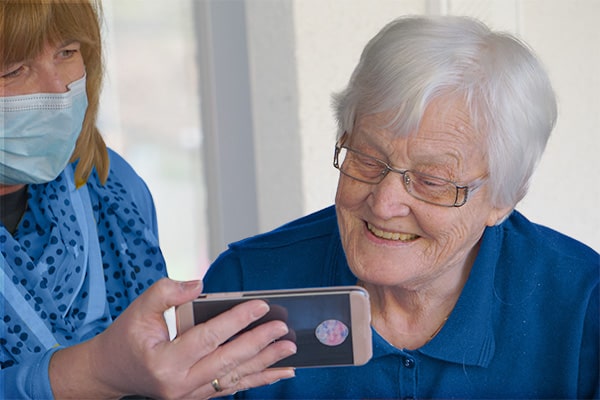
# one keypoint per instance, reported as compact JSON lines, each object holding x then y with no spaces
{"x":78,"y":258}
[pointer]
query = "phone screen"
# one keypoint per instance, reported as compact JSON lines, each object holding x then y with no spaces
{"x":320,"y":324}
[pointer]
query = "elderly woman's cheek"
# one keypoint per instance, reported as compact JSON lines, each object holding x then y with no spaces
{"x":350,"y":193}
{"x":454,"y":246}
{"x":348,"y":204}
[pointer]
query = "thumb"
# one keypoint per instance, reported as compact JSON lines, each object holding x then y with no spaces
{"x":167,"y":293}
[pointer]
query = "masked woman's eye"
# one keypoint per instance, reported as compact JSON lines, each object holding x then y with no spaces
{"x":69,"y":50}
{"x":68,"y":53}
{"x":11,"y":72}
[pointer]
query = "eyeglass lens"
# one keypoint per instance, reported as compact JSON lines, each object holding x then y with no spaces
{"x":371,"y":170}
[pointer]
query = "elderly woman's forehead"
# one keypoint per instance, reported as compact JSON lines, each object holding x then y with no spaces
{"x":449,"y":110}
{"x":376,"y":120}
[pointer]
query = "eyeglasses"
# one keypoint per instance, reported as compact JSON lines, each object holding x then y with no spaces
{"x":430,"y":189}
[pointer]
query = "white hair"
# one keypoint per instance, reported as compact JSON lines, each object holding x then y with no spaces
{"x":413,"y":60}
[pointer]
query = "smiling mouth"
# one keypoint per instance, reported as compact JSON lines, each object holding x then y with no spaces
{"x":402,"y":237}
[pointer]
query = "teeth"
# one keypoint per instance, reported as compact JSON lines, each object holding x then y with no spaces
{"x":403,"y":237}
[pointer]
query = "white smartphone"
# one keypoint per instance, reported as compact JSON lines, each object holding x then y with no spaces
{"x":331,"y":326}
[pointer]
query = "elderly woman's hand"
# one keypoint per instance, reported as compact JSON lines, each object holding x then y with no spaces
{"x":135,"y":356}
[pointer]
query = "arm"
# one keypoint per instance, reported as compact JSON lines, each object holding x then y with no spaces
{"x":134,"y":355}
{"x":27,"y":380}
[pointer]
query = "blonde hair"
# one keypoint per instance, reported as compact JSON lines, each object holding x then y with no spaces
{"x":26,"y":26}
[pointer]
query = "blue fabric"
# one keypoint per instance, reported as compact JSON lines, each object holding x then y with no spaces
{"x":525,"y":325}
{"x":78,"y":258}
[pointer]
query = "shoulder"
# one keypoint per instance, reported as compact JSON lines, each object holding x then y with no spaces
{"x":123,"y":174}
{"x":546,"y":243}
{"x":301,"y":253}
{"x":546,"y":286}
{"x":307,"y":228}
{"x":124,"y":184}
{"x":121,"y":169}
{"x":535,"y":259}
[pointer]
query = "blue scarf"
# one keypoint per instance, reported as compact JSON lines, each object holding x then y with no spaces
{"x":78,"y":258}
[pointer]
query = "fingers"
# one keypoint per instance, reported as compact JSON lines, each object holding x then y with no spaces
{"x":265,"y":377}
{"x":206,"y":337}
{"x":166,"y":293}
{"x":238,"y":364}
{"x":250,"y":372}
{"x":262,"y":378}
{"x":253,"y":372}
{"x":206,"y":351}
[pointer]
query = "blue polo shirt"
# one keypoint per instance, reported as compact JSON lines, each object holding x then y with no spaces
{"x":525,"y":325}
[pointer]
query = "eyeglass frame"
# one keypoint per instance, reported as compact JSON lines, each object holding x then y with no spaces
{"x":467,"y":189}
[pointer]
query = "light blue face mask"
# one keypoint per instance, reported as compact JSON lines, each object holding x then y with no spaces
{"x":38,"y":133}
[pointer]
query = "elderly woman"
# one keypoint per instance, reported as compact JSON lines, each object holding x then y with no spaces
{"x":78,"y":240}
{"x":440,"y":129}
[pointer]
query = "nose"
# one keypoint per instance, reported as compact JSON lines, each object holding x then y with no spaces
{"x":53,"y":79}
{"x":390,"y":198}
{"x":52,"y":73}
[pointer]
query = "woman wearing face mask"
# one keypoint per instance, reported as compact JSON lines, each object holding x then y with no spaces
{"x":82,"y":294}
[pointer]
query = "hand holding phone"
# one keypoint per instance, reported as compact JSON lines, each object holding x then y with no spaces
{"x":330,"y":326}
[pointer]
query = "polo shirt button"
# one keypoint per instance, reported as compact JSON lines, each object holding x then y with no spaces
{"x":408,"y":362}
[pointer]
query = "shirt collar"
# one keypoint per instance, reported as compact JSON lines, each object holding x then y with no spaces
{"x":467,"y":337}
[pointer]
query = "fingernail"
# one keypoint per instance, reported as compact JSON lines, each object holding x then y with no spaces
{"x":190,"y":285}
{"x":260,"y":309}
{"x":291,"y":374}
{"x":292,"y":350}
{"x":281,"y":329}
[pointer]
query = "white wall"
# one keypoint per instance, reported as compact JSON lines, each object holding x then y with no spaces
{"x":565,"y":192}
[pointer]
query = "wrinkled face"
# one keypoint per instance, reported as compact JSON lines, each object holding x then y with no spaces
{"x":393,"y":239}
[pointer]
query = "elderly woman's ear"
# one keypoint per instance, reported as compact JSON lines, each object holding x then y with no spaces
{"x":497,"y":215}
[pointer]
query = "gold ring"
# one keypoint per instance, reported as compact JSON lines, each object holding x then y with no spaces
{"x":215,"y":384}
